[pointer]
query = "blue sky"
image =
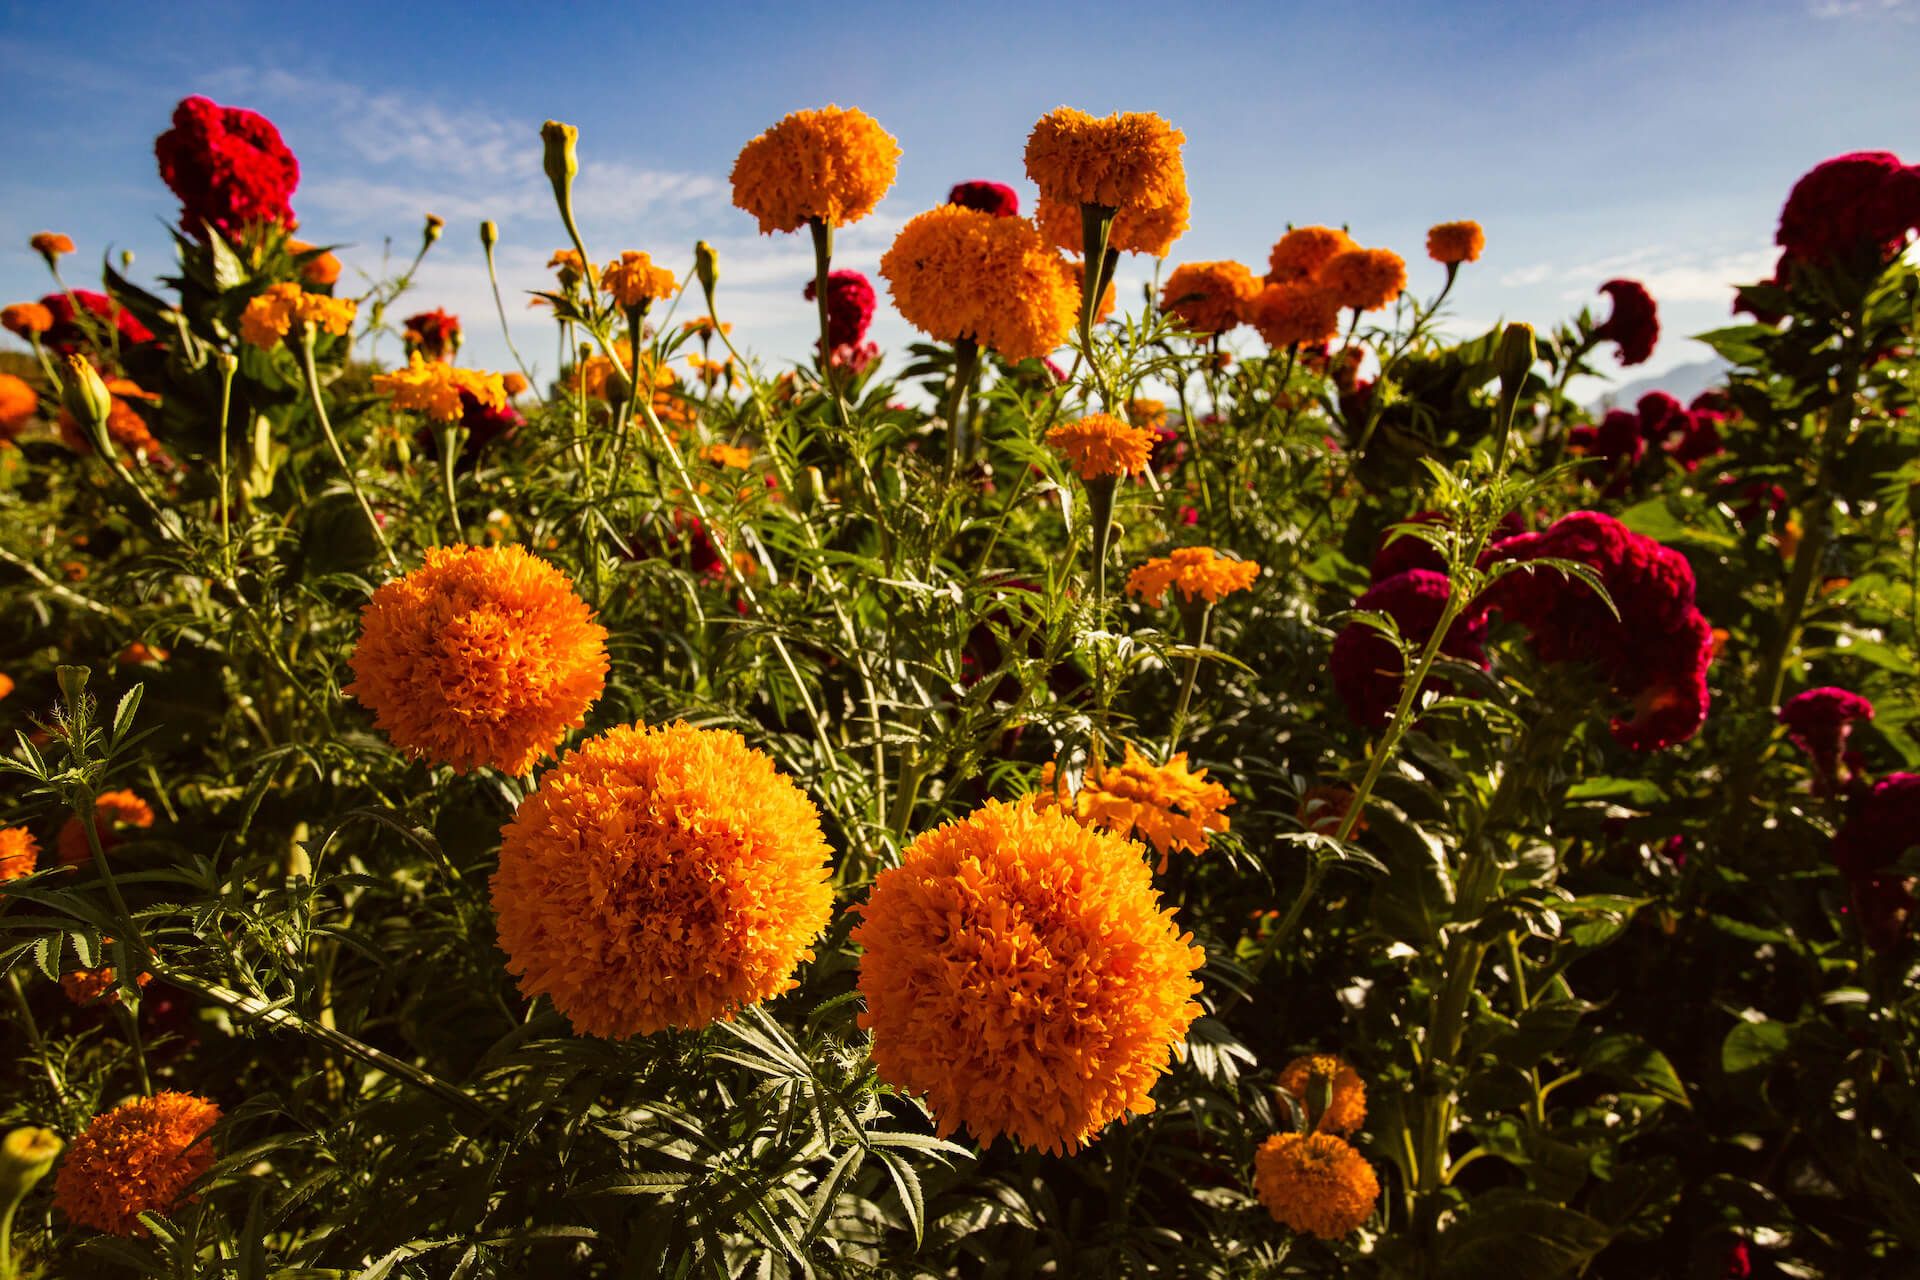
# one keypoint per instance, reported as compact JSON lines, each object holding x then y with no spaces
{"x":1654,"y":140}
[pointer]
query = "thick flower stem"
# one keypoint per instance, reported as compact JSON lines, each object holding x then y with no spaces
{"x":966,"y":364}
{"x":1096,"y":230}
{"x":228,"y":366}
{"x":822,"y":263}
{"x":1100,"y":494}
{"x":312,"y":374}
{"x":449,"y":442}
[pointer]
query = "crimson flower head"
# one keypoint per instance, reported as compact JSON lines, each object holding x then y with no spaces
{"x":996,"y":198}
{"x":1843,"y":207}
{"x":67,"y":337}
{"x":434,"y":334}
{"x":1366,"y":667}
{"x":850,"y":302}
{"x":1819,"y":722}
{"x":1884,"y":824}
{"x":1634,"y":325}
{"x":228,"y":166}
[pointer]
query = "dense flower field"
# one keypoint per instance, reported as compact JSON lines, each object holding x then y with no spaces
{"x":1232,"y":782}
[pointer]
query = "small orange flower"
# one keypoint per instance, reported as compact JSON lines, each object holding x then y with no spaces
{"x":92,"y":986}
{"x":1195,"y":572}
{"x":18,"y":404}
{"x":19,"y":853}
{"x":1315,"y":1183}
{"x":24,"y":319}
{"x":435,"y":388}
{"x":1170,"y":806}
{"x":1348,"y":1109}
{"x":833,"y":165}
{"x":728,"y":455}
{"x":138,"y":1158}
{"x":1102,"y":445}
{"x":703,"y":327}
{"x":1293,"y":315}
{"x":6,"y":684}
{"x":1364,"y":279}
{"x":1299,"y":254}
{"x":1209,"y":297}
{"x":139,"y":652}
{"x":270,"y":316}
{"x":569,"y":266}
{"x":1122,"y":161}
{"x":513,"y":383}
{"x":321,"y":270}
{"x":1456,"y":242}
{"x":51,"y":245}
{"x":113,"y":813}
{"x":1145,"y":412}
{"x":634,"y":280}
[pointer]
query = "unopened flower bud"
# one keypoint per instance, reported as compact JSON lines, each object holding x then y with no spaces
{"x":560,"y":161}
{"x":706,"y":265}
{"x":1517,"y":354}
{"x":489,"y":235}
{"x":26,"y":1155}
{"x":126,"y":259}
{"x":85,"y":394}
{"x":435,"y":224}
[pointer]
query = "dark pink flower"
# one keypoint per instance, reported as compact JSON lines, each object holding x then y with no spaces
{"x":67,"y":337}
{"x":850,"y":301}
{"x":1851,"y":204}
{"x":1366,"y":667}
{"x":995,"y":198}
{"x":1818,"y":722}
{"x":228,"y":166}
{"x":1634,"y":325}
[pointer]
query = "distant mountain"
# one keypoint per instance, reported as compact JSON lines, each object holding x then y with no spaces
{"x":1683,"y":382}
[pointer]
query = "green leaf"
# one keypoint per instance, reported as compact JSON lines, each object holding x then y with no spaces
{"x":1637,"y":792}
{"x":1628,"y":1059}
{"x":123,"y":715}
{"x":1518,"y":1237}
{"x":1752,"y":1046}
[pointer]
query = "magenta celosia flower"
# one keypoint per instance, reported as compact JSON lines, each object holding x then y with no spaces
{"x":850,"y":302}
{"x":1818,"y":722}
{"x":995,"y":198}
{"x":228,"y":166}
{"x":66,"y":336}
{"x":1865,"y":200}
{"x":1884,"y":824}
{"x":1634,"y":325}
{"x":1366,"y":668}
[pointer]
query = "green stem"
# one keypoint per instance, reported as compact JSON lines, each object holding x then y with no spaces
{"x":500,"y":308}
{"x":1197,"y":640}
{"x":228,"y":366}
{"x":312,"y":374}
{"x":966,"y":362}
{"x":822,"y":262}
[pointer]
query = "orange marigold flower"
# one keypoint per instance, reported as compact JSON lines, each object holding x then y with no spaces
{"x":728,"y":455}
{"x":1074,"y":273}
{"x":958,"y":273}
{"x":1145,"y":412}
{"x":634,"y":279}
{"x":833,"y":164}
{"x":1170,"y":806}
{"x":1364,"y":279}
{"x":18,"y":404}
{"x":90,"y":986}
{"x":1195,"y":572}
{"x":1149,"y":231}
{"x":1123,"y":161}
{"x":1347,"y":1111}
{"x":114,"y":812}
{"x":270,"y":316}
{"x":321,"y":269}
{"x":1455,"y":242}
{"x":703,"y":327}
{"x":661,"y":877}
{"x":1102,"y":445}
{"x":513,"y":383}
{"x":6,"y":684}
{"x":569,"y":266}
{"x":1292,"y":315}
{"x":25,"y":318}
{"x":139,"y":652}
{"x":435,"y":388}
{"x":138,"y":1158}
{"x":482,"y":656}
{"x":1301,"y":253}
{"x":50,"y":244}
{"x":1209,"y":297}
{"x":1315,"y":1182}
{"x":1020,"y":972}
{"x":125,"y":427}
{"x":19,"y":853}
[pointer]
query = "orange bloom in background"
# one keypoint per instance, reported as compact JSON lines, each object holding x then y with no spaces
{"x":1209,"y":297}
{"x":114,"y":812}
{"x":1145,"y":412}
{"x":568,"y":264}
{"x":958,"y":273}
{"x":1315,"y":1183}
{"x":634,"y":279}
{"x":322,"y":269}
{"x":90,"y":986}
{"x":1123,"y":161}
{"x":125,"y":427}
{"x":139,"y":1157}
{"x":1102,"y":445}
{"x":140,"y":652}
{"x":1299,"y":254}
{"x":19,"y":853}
{"x":1456,"y":242}
{"x":1148,"y":231}
{"x":1292,"y":315}
{"x":833,"y":164}
{"x":50,"y":245}
{"x":271,"y":316}
{"x":482,"y":656}
{"x":26,"y":318}
{"x":6,"y":684}
{"x":18,"y":403}
{"x":1364,"y":279}
{"x":435,"y":388}
{"x":1170,"y":806}
{"x":661,"y":877}
{"x":513,"y":383}
{"x":728,"y":455}
{"x":1074,"y":273}
{"x":1348,"y":1109}
{"x":1021,"y":974}
{"x":1195,"y":572}
{"x":703,"y":327}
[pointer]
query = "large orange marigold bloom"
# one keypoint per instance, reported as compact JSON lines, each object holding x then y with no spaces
{"x":1209,"y":297}
{"x":1195,"y":572}
{"x":19,"y":853}
{"x":1301,"y":253}
{"x":661,"y":877}
{"x":1455,"y":242}
{"x":833,"y":164}
{"x":114,"y":813}
{"x":25,"y":318}
{"x":958,"y":273}
{"x":1347,"y":1111}
{"x":1315,"y":1182}
{"x":1020,"y":972}
{"x":271,"y":316}
{"x":1149,"y":231}
{"x":1124,"y":161}
{"x":18,"y":404}
{"x":1364,"y":279}
{"x":635,"y":280}
{"x":1102,"y":445}
{"x":1170,"y":806}
{"x":139,"y":1157}
{"x":482,"y":656}
{"x":1296,"y":314}
{"x":434,"y":388}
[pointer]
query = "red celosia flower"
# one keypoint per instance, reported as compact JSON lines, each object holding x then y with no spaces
{"x":434,"y":334}
{"x":1367,"y":671}
{"x":1819,"y":721}
{"x":1397,"y":554}
{"x":1885,"y":824}
{"x":850,"y":301}
{"x":1635,"y":323}
{"x":1865,"y":200}
{"x":66,"y":336}
{"x":228,"y":166}
{"x":1617,"y":443}
{"x":995,"y":198}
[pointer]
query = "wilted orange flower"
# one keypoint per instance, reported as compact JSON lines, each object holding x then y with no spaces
{"x":482,"y":656}
{"x":728,"y":455}
{"x":435,"y":388}
{"x":1364,"y":279}
{"x":1348,"y":1109}
{"x":50,"y":244}
{"x":138,"y":652}
{"x":1209,"y":297}
{"x":833,"y":164}
{"x":113,"y":813}
{"x":1020,"y":972}
{"x":270,"y":316}
{"x":703,"y":327}
{"x":125,"y":427}
{"x":1315,"y":1183}
{"x":513,"y":383}
{"x":634,"y":279}
{"x":139,"y":1157}
{"x":1292,"y":315}
{"x":1122,"y":161}
{"x":19,"y":853}
{"x":1455,"y":242}
{"x":1149,"y":231}
{"x":569,"y":266}
{"x":18,"y":404}
{"x":1301,"y":253}
{"x":1170,"y":806}
{"x":321,"y":269}
{"x":1102,"y":445}
{"x":1196,"y":572}
{"x":959,"y":273}
{"x":661,"y":877}
{"x":26,"y":318}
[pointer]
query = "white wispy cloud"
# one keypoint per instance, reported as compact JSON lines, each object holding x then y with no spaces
{"x":1671,"y":274}
{"x":1902,"y":9}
